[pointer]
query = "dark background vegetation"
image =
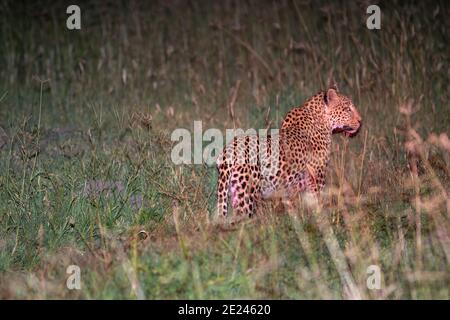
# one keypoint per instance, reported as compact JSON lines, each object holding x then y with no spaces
{"x":85,"y":170}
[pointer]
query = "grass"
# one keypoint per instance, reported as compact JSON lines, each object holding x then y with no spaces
{"x":85,"y":170}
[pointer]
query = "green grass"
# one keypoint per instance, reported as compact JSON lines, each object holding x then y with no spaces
{"x":75,"y":110}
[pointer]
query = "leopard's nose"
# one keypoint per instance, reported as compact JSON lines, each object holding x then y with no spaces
{"x":358,"y":116}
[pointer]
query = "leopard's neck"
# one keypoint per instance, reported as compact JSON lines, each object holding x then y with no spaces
{"x":311,"y":116}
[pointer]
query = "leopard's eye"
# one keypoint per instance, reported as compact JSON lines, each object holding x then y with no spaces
{"x":347,"y":109}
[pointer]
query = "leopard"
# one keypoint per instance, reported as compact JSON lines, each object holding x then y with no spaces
{"x":255,"y":167}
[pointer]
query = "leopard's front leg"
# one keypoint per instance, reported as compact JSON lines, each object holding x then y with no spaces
{"x":315,"y":182}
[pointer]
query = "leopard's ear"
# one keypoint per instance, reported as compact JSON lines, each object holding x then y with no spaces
{"x":331,"y":96}
{"x":334,"y":86}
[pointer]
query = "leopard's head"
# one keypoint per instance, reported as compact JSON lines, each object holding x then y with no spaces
{"x":341,"y":112}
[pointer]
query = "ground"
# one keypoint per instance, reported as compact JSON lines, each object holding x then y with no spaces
{"x":86,"y":177}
